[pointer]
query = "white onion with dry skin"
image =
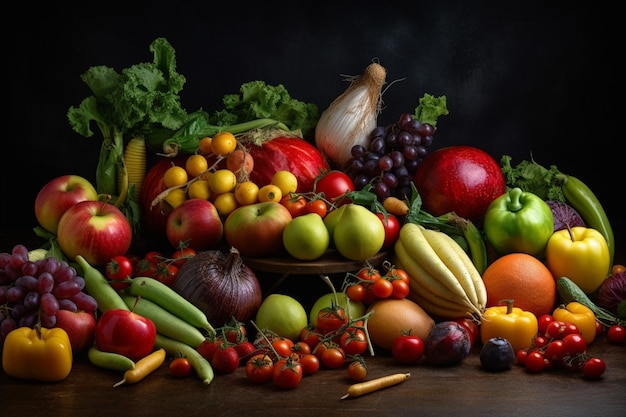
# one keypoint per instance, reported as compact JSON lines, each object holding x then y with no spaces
{"x":351,"y":117}
{"x":220,"y":285}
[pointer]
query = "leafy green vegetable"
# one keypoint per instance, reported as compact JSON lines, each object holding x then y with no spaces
{"x":430,"y":108}
{"x":533,"y":177}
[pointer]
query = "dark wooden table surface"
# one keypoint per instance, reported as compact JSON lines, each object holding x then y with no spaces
{"x":464,"y":389}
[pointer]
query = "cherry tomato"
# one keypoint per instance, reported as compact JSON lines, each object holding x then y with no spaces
{"x":282,"y":346}
{"x":333,"y":357}
{"x":309,"y":336}
{"x":245,"y":350}
{"x":616,"y":333}
{"x":599,"y":328}
{"x":382,"y":288}
{"x":574,"y":344}
{"x":297,"y":205}
{"x":401,"y":289}
{"x":208,"y":347}
{"x":357,"y":371}
{"x":554,"y":329}
{"x":407,"y":349}
{"x":317,"y":206}
{"x":145,"y":268}
{"x":392,"y":229}
{"x":353,"y":342}
{"x":301,"y":348}
{"x":554,"y":351}
{"x":334,"y":185}
{"x":520,"y":356}
{"x":368,"y":274}
{"x":166,"y":273}
{"x":287,"y":373}
{"x":331,"y":318}
{"x":355,"y":292}
{"x":593,"y":368}
{"x":225,"y":359}
{"x":310,"y":363}
{"x":534,"y":362}
{"x":154,"y":257}
{"x":118,"y":268}
{"x":540,"y":341}
{"x":180,"y":367}
{"x":259,"y":368}
{"x":543,"y":321}
{"x":569,"y":328}
{"x":182,"y":255}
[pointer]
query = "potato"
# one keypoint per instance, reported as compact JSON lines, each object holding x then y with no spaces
{"x":393,"y":317}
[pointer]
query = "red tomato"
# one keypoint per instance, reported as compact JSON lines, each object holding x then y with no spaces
{"x":154,"y":257}
{"x":382,"y":288}
{"x":118,"y":268}
{"x":334,"y":185}
{"x":534,"y":362}
{"x":401,"y":289}
{"x":543,"y":321}
{"x":287,"y":373}
{"x":593,"y":368}
{"x":616,"y":333}
{"x":259,"y":368}
{"x":310,"y":363}
{"x":331,"y":318}
{"x":317,"y":206}
{"x":144,"y":268}
{"x":282,"y":346}
{"x":297,"y":205}
{"x":573,"y":344}
{"x":180,"y":367}
{"x":166,"y":274}
{"x":357,"y":371}
{"x":301,"y":348}
{"x":407,"y":349}
{"x":554,"y":351}
{"x":309,"y":336}
{"x":245,"y":349}
{"x":208,"y":347}
{"x":392,"y":229}
{"x":355,"y":292}
{"x":225,"y":360}
{"x":554,"y":329}
{"x":181,"y":256}
{"x":333,"y":357}
{"x":353,"y":341}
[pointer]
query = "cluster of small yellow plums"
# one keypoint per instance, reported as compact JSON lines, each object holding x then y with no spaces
{"x":228,"y":187}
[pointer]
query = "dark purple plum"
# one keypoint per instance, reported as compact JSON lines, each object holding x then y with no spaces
{"x":447,"y":343}
{"x":497,"y":355}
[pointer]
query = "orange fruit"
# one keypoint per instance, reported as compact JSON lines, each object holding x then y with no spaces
{"x":522,"y":278}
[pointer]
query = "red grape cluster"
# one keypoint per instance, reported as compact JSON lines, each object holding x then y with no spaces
{"x":31,"y":292}
{"x":390,"y":161}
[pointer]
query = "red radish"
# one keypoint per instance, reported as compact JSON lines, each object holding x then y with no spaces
{"x":462,"y":179}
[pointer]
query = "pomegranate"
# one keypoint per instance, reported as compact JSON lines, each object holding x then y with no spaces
{"x":461,"y":179}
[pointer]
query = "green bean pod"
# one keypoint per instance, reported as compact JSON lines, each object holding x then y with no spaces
{"x":109,"y":360}
{"x":99,"y":288}
{"x":200,"y":364}
{"x":585,"y":202}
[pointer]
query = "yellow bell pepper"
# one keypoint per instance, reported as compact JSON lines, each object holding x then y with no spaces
{"x":37,"y":354}
{"x":519,"y":327}
{"x":581,"y":254}
{"x":580,"y":315}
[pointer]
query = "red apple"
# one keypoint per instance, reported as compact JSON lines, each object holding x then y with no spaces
{"x":80,"y":326}
{"x":96,"y":230}
{"x":197,"y":223}
{"x":58,"y":195}
{"x":392,"y":229}
{"x":462,"y":179}
{"x":256,"y":230}
{"x":126,"y":333}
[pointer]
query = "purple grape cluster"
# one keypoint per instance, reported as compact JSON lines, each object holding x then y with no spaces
{"x":390,"y":161}
{"x":32,"y":292}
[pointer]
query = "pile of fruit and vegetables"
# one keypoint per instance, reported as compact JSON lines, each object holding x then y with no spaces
{"x":149,"y":265}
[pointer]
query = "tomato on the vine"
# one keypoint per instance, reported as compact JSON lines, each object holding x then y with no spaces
{"x":400,"y":290}
{"x":182,"y":255}
{"x":287,"y":373}
{"x":118,"y":268}
{"x":382,"y":288}
{"x":534,"y":361}
{"x":309,"y":336}
{"x":554,"y":351}
{"x":166,"y":274}
{"x":296,"y":205}
{"x":357,"y":371}
{"x":259,"y":368}
{"x":334,"y":185}
{"x":333,"y":357}
{"x":225,"y":359}
{"x":180,"y":367}
{"x":317,"y":206}
{"x":353,"y":341}
{"x":356,"y":292}
{"x":282,"y":346}
{"x":574,"y":344}
{"x":310,"y":363}
{"x":331,"y":318}
{"x":301,"y":348}
{"x":543,"y":321}
{"x":154,"y":257}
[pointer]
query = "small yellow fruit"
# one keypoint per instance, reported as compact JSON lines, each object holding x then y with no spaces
{"x":176,"y":197}
{"x":223,"y":143}
{"x":175,"y":176}
{"x":270,"y":192}
{"x":286,"y":181}
{"x":225,"y":203}
{"x":246,"y":193}
{"x":195,"y":165}
{"x":222,"y":181}
{"x":199,"y":189}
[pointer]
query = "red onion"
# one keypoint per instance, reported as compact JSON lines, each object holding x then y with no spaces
{"x":221,"y":285}
{"x":612,"y":292}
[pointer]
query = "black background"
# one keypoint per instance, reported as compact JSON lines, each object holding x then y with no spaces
{"x":520,"y":77}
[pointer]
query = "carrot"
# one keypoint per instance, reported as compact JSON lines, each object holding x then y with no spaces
{"x":376,"y":384}
{"x":396,"y":206}
{"x":135,"y":162}
{"x":143,"y":367}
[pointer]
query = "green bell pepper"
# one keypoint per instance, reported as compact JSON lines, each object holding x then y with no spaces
{"x":519,"y":221}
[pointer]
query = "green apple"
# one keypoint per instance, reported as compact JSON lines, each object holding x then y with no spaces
{"x":306,"y":237}
{"x":359,"y":234}
{"x":281,"y":314}
{"x":353,"y":309}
